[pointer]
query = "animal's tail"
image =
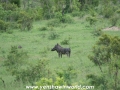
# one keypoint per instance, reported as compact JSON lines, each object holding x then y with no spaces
{"x":69,"y":52}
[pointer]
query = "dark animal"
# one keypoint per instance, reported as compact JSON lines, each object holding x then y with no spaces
{"x":60,"y":50}
{"x":19,"y":46}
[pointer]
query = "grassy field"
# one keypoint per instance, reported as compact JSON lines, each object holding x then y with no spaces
{"x":38,"y":45}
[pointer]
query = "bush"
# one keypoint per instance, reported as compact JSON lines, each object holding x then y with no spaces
{"x":53,"y":35}
{"x":54,"y":23}
{"x":97,"y":32}
{"x":9,"y":12}
{"x":33,"y":72}
{"x":118,"y":11}
{"x":66,"y":19}
{"x":108,"y":10}
{"x":98,"y":81}
{"x":2,"y":13}
{"x":67,"y":74}
{"x":91,"y":20}
{"x":3,"y":26}
{"x":9,"y":6}
{"x":114,"y":19}
{"x":43,"y":28}
{"x":65,"y":41}
{"x":15,"y":59}
{"x":9,"y":31}
{"x":37,"y":13}
{"x":13,"y":25}
{"x":50,"y":81}
{"x":25,"y":21}
{"x":17,"y":2}
{"x":64,"y":77}
{"x":76,"y":13}
{"x":13,"y":16}
{"x":58,"y":15}
{"x":106,"y":52}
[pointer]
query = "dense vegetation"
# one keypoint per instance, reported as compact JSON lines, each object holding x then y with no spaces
{"x":30,"y":28}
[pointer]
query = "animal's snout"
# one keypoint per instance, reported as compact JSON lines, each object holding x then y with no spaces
{"x":52,"y":49}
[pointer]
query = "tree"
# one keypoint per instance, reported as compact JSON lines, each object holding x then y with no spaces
{"x":107,"y":51}
{"x":33,"y":72}
{"x":67,"y":74}
{"x":15,"y":59}
{"x":85,"y":4}
{"x":64,"y":77}
{"x":25,"y":20}
{"x":17,"y":2}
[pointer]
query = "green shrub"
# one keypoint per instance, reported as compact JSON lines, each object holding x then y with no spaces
{"x":114,"y":19}
{"x":118,"y":11}
{"x":106,"y":52}
{"x":15,"y":59}
{"x":97,"y":32}
{"x":66,"y":19}
{"x":9,"y":6}
{"x":91,"y":20}
{"x":43,"y":28}
{"x":16,"y":2}
{"x":13,"y":16}
{"x":58,"y":81}
{"x":58,"y":15}
{"x":13,"y":25}
{"x":3,"y":13}
{"x":65,"y":42}
{"x":108,"y":10}
{"x":33,"y":72}
{"x":9,"y":31}
{"x":54,"y":23}
{"x":98,"y":81}
{"x":64,"y":77}
{"x":67,"y":74}
{"x":53,"y":35}
{"x":25,"y":21}
{"x":37,"y":13}
{"x":92,"y":12}
{"x":44,"y":81}
{"x":76,"y":13}
{"x":3,"y":26}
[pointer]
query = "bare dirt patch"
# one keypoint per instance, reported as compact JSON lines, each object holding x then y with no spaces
{"x":114,"y":28}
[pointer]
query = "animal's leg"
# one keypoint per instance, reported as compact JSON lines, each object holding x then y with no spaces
{"x":69,"y":54}
{"x":59,"y":54}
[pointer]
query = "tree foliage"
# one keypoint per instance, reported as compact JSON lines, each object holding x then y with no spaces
{"x":17,"y":2}
{"x":64,"y":77}
{"x":67,"y":74}
{"x":33,"y":72}
{"x":3,"y":26}
{"x":15,"y":59}
{"x":25,"y":21}
{"x":107,"y":51}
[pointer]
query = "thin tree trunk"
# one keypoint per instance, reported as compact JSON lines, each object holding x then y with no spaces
{"x":3,"y":82}
{"x":100,"y":67}
{"x":116,"y":77}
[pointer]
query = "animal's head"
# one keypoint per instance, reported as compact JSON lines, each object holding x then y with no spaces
{"x":55,"y":47}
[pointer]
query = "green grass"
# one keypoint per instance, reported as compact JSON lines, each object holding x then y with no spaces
{"x":38,"y":45}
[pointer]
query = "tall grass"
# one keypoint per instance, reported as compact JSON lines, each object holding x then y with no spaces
{"x":38,"y":47}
